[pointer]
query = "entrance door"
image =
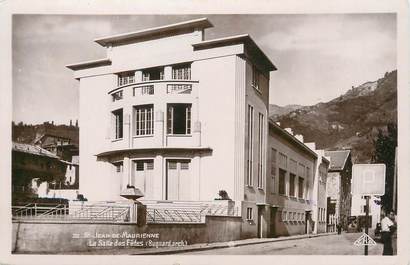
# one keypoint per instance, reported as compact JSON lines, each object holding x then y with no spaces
{"x":307,"y":222}
{"x":178,"y":180}
{"x":260,"y":221}
{"x":118,"y":172}
{"x":143,"y":177}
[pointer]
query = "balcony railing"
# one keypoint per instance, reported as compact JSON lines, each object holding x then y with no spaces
{"x":187,"y":213}
{"x":125,"y":80}
{"x":179,"y":89}
{"x":62,"y":212}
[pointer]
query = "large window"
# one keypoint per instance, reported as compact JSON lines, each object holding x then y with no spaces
{"x":118,"y":122}
{"x":292,"y":178}
{"x":249,"y":179}
{"x":144,"y":119}
{"x":181,"y":72}
{"x":179,"y":119}
{"x":282,"y":184}
{"x":261,"y":153}
{"x":153,"y":74}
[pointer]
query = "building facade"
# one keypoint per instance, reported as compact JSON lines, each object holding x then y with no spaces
{"x":31,"y":166}
{"x":338,"y":187}
{"x":182,"y":118}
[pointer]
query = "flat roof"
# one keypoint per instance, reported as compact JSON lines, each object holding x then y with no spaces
{"x":243,"y":38}
{"x":201,"y":23}
{"x":89,"y":64}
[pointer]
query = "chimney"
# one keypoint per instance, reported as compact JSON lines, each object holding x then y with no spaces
{"x":311,"y":145}
{"x":289,"y":130}
{"x":299,"y":137}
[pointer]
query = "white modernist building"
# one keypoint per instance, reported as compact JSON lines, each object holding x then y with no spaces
{"x":182,"y":118}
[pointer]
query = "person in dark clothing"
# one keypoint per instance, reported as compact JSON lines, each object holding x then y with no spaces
{"x":339,"y":229}
{"x":387,"y":229}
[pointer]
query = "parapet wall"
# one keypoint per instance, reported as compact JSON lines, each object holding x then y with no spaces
{"x":60,"y":237}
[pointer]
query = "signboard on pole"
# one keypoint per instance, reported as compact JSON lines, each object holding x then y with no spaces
{"x":368,"y":179}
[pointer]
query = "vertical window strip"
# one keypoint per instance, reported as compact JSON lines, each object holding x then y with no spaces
{"x":188,"y":119}
{"x":250,"y":145}
{"x":170,"y":119}
{"x":260,"y":151}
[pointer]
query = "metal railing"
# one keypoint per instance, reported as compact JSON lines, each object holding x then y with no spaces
{"x":125,"y":80}
{"x":91,"y":213}
{"x":187,"y":213}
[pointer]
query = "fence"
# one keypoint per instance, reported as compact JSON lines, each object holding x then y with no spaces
{"x":169,"y":212}
{"x":187,"y":212}
{"x":62,"y":212}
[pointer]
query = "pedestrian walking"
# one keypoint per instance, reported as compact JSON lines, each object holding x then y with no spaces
{"x":339,"y":229}
{"x":387,"y":229}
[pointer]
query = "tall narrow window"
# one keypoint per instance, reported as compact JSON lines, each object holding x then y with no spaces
{"x":118,"y":123}
{"x":255,"y":78}
{"x":249,"y":214}
{"x":144,"y":119}
{"x":282,"y":175}
{"x":300,"y":187}
{"x":179,"y":119}
{"x":181,"y":72}
{"x":261,"y":156}
{"x":292,"y":184}
{"x":249,"y":179}
{"x":273,"y":168}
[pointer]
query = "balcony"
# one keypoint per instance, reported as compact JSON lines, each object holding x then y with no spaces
{"x":125,"y":80}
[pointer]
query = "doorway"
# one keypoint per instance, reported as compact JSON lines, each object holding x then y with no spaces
{"x":143,"y":177}
{"x":178,"y":180}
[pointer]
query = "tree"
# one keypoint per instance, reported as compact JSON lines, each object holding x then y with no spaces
{"x":385,"y":152}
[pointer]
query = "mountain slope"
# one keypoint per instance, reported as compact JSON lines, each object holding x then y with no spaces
{"x":349,"y":121}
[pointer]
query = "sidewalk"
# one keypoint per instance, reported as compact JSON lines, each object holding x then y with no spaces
{"x":208,"y":246}
{"x":195,"y":247}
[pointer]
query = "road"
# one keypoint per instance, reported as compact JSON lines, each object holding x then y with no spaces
{"x":325,"y":245}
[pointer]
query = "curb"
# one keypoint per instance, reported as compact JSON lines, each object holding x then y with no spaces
{"x":217,"y":245}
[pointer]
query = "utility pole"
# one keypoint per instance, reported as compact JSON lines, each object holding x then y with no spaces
{"x":366,"y":247}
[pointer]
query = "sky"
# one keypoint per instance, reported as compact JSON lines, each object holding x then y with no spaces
{"x":318,"y":57}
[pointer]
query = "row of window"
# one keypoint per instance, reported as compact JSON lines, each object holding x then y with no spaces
{"x":179,"y":72}
{"x":149,"y":90}
{"x":287,"y":216}
{"x":260,"y":150}
{"x":297,"y":175}
{"x":178,"y":120}
{"x":148,"y":164}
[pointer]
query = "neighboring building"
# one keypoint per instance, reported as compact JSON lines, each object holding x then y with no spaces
{"x":338,"y":187}
{"x":181,"y":118}
{"x":289,"y":185}
{"x":58,"y":145}
{"x":319,"y":198}
{"x":67,"y":151}
{"x":32,"y":165}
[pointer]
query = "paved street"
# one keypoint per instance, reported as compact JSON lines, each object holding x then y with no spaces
{"x":326,"y":245}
